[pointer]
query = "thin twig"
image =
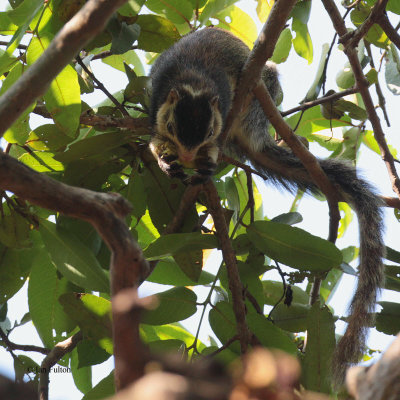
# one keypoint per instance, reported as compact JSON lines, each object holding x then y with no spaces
{"x":23,"y":347}
{"x":381,"y":97}
{"x":321,"y":100}
{"x":102,"y":87}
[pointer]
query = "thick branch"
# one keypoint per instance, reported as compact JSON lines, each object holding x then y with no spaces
{"x":133,"y":355}
{"x":87,"y":23}
{"x":362,"y":85}
{"x":262,"y":51}
{"x":105,"y":211}
{"x":235,"y":285}
{"x":55,"y":355}
{"x":381,"y":381}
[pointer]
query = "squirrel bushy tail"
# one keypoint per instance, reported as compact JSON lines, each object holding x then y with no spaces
{"x":282,"y":167}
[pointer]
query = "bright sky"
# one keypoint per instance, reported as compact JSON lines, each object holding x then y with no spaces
{"x":296,"y":78}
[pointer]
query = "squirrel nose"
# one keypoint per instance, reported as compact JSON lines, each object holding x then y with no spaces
{"x":187,"y":156}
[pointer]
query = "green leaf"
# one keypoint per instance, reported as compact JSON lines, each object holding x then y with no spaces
{"x":14,"y":230}
{"x":156,"y":33}
{"x":82,"y":375}
{"x":173,"y":305}
{"x":136,"y":194}
{"x":169,"y":273}
{"x":330,"y":284}
{"x":167,"y":346}
{"x":238,"y":22}
{"x":320,"y":346}
{"x":223,"y":323}
{"x":392,"y":275}
{"x":15,"y":266}
{"x":93,"y":146}
{"x":92,"y":314}
{"x":73,"y":259}
{"x":312,"y":121}
{"x":264,"y":8}
{"x":392,"y":254}
{"x":393,"y":6}
{"x":63,"y":98}
{"x":41,"y":161}
{"x":174,"y":243}
{"x":7,"y":61}
{"x":213,"y":7}
{"x":273,"y":291}
{"x":19,"y":131}
{"x":131,"y":8}
{"x":89,"y":353}
{"x":22,"y":16}
{"x":163,"y":198}
{"x":7,"y":28}
{"x":151,"y":333}
{"x":123,"y":35}
{"x":315,"y":88}
{"x":354,"y":111}
{"x":24,"y":11}
{"x":190,"y":262}
{"x":232,"y":196}
{"x":388,"y":319}
{"x":48,"y":137}
{"x":392,"y":71}
{"x":250,"y":280}
{"x":43,"y":292}
{"x":375,"y":34}
{"x":177,"y":11}
{"x":130,"y":58}
{"x":302,"y":43}
{"x":283,"y":46}
{"x":293,"y":246}
{"x":105,"y":388}
{"x":289,"y":218}
{"x":292,"y":318}
{"x":270,"y":335}
{"x":345,"y":77}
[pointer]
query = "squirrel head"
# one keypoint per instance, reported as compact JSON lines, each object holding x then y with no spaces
{"x":190,"y":119}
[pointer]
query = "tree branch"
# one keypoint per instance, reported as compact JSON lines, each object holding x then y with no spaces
{"x":235,"y":285}
{"x":390,"y":31}
{"x":22,"y":347}
{"x":87,"y":23}
{"x":55,"y":355}
{"x":351,"y":39}
{"x":362,"y":85}
{"x":262,"y":51}
{"x":309,"y":161}
{"x":102,"y":87}
{"x":321,"y":100}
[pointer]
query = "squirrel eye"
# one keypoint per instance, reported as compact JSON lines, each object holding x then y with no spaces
{"x":210,"y":133}
{"x":169,"y":127}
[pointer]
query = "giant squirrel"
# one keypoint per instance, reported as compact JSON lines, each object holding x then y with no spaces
{"x":193,"y":84}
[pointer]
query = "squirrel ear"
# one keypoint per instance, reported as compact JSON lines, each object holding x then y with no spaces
{"x":173,"y":96}
{"x":214,"y":101}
